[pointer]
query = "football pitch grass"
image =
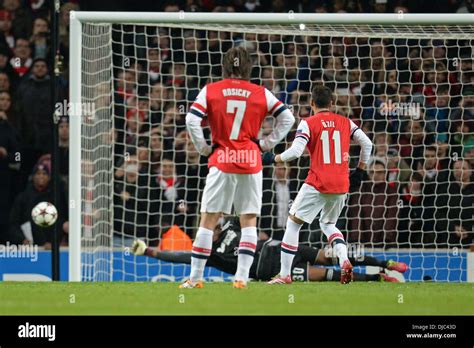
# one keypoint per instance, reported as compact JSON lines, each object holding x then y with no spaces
{"x":323,"y":298}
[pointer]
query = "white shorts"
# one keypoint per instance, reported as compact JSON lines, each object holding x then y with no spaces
{"x":222,"y":190}
{"x":310,"y":202}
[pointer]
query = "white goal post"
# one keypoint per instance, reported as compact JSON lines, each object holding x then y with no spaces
{"x":92,"y":73}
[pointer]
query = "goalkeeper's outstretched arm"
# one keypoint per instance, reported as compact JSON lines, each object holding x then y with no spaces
{"x":139,"y":248}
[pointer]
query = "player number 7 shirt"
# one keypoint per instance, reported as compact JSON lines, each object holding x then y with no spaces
{"x":235,"y":110}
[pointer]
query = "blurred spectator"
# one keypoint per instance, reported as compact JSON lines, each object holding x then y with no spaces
{"x":156,"y":149}
{"x":373,"y":212}
{"x":193,"y":172}
{"x":4,"y":82}
{"x":21,"y":60}
{"x":132,"y":217}
{"x":466,"y":106}
{"x":40,"y":38}
{"x":125,"y":86}
{"x":64,"y":22}
{"x":173,"y":123}
{"x":278,"y":192}
{"x":381,"y":142}
{"x":455,"y":208}
{"x":176,"y":77}
{"x":269,"y":82}
{"x":158,"y":101}
{"x":124,"y":161}
{"x":217,"y":43}
{"x":9,"y":156}
{"x":154,"y":66}
{"x":193,"y":6}
{"x":443,"y":155}
{"x":21,"y":224}
{"x":133,"y":126}
{"x":437,"y":116}
{"x":34,"y":111}
{"x":6,"y":39}
{"x":379,"y":6}
{"x":5,"y":66}
{"x":462,"y":133}
{"x":196,"y":61}
{"x":252,"y":6}
{"x":278,"y":6}
{"x":430,"y":170}
{"x":170,"y":7}
{"x":466,"y":7}
{"x":63,"y":143}
{"x":169,"y":190}
{"x":398,"y":169}
{"x":413,"y":230}
{"x":413,"y":140}
{"x":22,"y":18}
{"x":6,"y":108}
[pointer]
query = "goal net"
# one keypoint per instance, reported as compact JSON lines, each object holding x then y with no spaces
{"x":135,"y":173}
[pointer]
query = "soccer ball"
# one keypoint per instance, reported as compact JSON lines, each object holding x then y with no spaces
{"x":44,"y":214}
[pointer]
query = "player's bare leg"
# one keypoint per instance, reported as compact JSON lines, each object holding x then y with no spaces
{"x":201,"y":251}
{"x":336,"y":239}
{"x":247,"y":246}
{"x":289,"y":247}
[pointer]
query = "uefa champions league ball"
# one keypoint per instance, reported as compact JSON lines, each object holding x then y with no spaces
{"x":44,"y":214}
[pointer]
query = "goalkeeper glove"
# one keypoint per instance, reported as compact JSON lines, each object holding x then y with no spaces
{"x":138,"y":247}
{"x":356,"y":177}
{"x":268,"y":158}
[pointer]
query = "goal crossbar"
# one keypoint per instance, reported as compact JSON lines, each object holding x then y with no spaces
{"x":274,"y":18}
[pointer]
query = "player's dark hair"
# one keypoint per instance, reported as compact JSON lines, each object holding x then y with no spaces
{"x":237,"y":63}
{"x":321,"y":96}
{"x":416,"y":177}
{"x":431,"y":148}
{"x":379,"y":163}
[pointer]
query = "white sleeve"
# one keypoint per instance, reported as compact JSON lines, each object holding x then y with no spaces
{"x":199,"y":107}
{"x":299,"y":144}
{"x":284,"y":121}
{"x":193,"y":123}
{"x":363,"y":141}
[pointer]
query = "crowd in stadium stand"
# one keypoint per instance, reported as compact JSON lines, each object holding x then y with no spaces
{"x":419,"y":189}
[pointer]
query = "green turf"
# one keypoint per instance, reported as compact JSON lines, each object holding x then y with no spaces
{"x":21,"y":298}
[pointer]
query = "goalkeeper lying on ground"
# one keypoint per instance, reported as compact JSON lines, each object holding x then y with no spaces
{"x":267,"y":258}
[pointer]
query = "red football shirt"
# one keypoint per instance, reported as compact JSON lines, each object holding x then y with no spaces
{"x":235,"y":110}
{"x":329,"y":136}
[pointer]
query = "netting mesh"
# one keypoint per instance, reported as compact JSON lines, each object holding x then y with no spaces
{"x":97,"y":152}
{"x":408,"y":87}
